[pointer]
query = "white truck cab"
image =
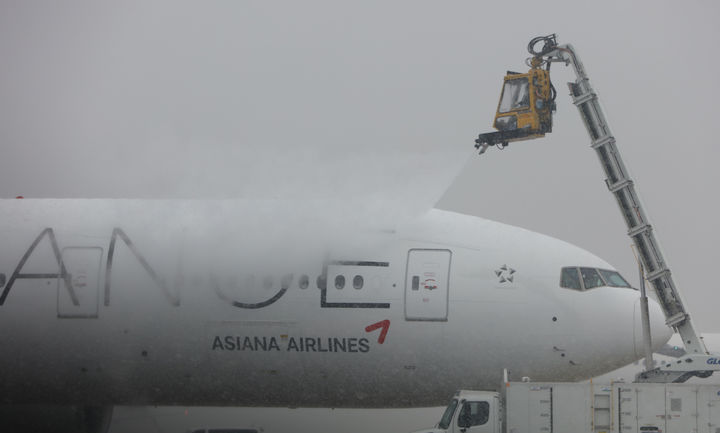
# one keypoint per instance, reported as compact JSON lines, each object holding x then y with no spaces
{"x":471,"y":412}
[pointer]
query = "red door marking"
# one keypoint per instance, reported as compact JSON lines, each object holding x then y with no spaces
{"x":384,"y":324}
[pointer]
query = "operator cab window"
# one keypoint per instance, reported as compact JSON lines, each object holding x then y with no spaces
{"x":515,"y":95}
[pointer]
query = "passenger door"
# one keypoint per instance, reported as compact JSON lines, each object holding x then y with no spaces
{"x":426,"y":284}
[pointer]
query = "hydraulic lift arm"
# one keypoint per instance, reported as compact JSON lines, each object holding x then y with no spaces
{"x":697,"y":361}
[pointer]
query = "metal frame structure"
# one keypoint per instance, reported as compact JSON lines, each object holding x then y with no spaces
{"x":697,"y":361}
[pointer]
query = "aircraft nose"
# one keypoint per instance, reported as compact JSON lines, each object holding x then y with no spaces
{"x":659,"y":331}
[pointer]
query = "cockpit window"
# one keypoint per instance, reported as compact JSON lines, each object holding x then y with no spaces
{"x":613,"y":278}
{"x":578,"y":278}
{"x":591,"y":278}
{"x":570,"y":279}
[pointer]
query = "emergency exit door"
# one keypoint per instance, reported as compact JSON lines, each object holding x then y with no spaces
{"x":426,"y":284}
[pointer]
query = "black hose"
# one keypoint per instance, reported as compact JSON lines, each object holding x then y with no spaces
{"x":549,"y":44}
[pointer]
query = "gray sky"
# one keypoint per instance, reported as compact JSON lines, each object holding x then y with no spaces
{"x":313,"y":98}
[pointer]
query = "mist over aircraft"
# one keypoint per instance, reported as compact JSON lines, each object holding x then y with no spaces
{"x":137,"y":302}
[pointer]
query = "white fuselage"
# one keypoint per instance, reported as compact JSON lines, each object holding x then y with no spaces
{"x":258,"y":304}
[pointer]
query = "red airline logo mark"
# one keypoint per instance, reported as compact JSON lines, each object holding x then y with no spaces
{"x":384,"y":324}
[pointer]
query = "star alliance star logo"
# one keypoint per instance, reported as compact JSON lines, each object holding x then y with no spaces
{"x":505,"y":274}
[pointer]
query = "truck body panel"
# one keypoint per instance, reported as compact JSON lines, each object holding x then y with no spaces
{"x":557,"y":407}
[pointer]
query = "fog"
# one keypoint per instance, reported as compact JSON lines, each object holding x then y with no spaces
{"x":370,"y":102}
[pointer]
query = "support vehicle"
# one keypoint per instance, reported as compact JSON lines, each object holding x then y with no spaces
{"x":527,"y":407}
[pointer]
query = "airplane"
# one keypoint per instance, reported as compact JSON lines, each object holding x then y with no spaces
{"x":291,"y":304}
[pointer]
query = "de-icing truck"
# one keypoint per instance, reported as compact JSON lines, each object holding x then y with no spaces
{"x":527,"y":407}
{"x":658,"y":401}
